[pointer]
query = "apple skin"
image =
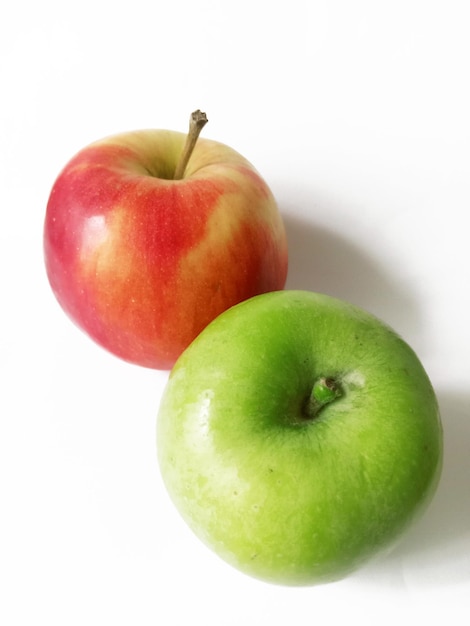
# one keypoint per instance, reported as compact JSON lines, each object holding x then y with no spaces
{"x":141,"y":262}
{"x":283,"y":497}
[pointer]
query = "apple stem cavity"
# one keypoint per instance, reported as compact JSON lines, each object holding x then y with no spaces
{"x":197,"y":121}
{"x":325,"y":390}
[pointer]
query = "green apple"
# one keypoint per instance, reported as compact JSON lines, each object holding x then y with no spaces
{"x":298,"y":436}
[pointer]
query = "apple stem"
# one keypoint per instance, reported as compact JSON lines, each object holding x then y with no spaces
{"x":197,"y":121}
{"x":325,"y":390}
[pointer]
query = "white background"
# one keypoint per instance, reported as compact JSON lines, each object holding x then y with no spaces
{"x":357,"y":115}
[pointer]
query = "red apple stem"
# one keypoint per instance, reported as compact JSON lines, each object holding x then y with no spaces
{"x":197,"y":121}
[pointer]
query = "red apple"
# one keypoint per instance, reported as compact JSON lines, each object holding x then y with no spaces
{"x":149,"y":236}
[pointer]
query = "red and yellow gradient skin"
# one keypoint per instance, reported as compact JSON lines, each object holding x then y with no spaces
{"x":141,"y":262}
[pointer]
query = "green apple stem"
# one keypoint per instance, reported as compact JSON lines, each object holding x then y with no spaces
{"x":325,"y":390}
{"x":197,"y":121}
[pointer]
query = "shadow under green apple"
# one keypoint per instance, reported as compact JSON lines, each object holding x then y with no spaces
{"x":436,"y":550}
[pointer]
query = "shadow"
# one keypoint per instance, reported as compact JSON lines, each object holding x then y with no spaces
{"x":436,"y":550}
{"x":323,"y":261}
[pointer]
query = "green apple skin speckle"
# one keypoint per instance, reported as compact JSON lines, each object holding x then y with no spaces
{"x":283,"y":496}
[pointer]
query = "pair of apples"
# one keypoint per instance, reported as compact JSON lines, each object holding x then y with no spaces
{"x":297,"y":435}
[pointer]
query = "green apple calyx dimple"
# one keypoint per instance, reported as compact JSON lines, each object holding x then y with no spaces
{"x":325,"y":390}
